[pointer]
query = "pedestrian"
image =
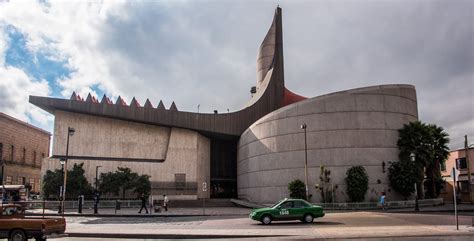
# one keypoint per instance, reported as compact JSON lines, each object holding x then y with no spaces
{"x":144,"y":199}
{"x":382,"y":200}
{"x":165,"y":202}
{"x":96,"y":202}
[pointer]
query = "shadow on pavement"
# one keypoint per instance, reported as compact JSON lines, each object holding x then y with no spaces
{"x":298,"y":223}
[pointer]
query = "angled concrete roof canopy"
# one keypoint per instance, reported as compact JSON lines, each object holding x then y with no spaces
{"x":270,"y":96}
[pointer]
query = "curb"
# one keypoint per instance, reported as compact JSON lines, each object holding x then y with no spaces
{"x":167,"y":236}
{"x":119,"y":215}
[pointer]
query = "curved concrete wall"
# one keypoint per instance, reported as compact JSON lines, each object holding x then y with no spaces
{"x":354,"y":127}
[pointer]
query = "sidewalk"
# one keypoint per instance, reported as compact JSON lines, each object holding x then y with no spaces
{"x":227,"y":211}
{"x":172,"y":212}
{"x":449,"y":207}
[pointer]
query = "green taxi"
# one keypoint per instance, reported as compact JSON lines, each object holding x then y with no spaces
{"x":288,"y":209}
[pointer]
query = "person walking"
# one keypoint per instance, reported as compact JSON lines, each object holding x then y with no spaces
{"x":382,"y":200}
{"x":144,"y":199}
{"x":165,"y":202}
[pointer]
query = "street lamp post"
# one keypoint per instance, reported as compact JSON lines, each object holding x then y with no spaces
{"x":70,"y":132}
{"x":303,"y":126}
{"x":96,"y":177}
{"x":413,"y":158}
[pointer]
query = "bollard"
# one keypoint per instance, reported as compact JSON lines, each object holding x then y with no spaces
{"x":117,"y":205}
{"x":80,"y":202}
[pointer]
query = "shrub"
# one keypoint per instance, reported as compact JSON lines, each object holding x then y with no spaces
{"x":357,"y":183}
{"x":297,"y":189}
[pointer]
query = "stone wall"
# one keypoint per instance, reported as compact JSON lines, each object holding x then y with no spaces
{"x":180,"y":151}
{"x":23,"y":146}
{"x":344,"y":129}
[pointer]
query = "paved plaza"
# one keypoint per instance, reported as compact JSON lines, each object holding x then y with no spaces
{"x":342,"y":225}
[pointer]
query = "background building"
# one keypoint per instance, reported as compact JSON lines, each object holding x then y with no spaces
{"x":252,"y":153}
{"x":22,"y":149}
{"x":458,"y":160}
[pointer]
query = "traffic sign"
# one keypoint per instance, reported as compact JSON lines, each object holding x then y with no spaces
{"x":204,"y":186}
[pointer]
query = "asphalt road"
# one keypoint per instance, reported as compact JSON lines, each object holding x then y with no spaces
{"x":362,"y":225}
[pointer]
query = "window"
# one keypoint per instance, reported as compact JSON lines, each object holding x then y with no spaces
{"x":1,"y":151}
{"x":288,"y":204}
{"x":32,"y":183}
{"x":12,"y":153}
{"x":24,"y":155}
{"x":20,"y":180}
{"x":180,"y":180}
{"x":10,"y":211}
{"x":300,"y":204}
{"x":461,"y":163}
{"x":8,"y":180}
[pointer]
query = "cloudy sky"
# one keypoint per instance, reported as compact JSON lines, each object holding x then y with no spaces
{"x":204,"y":52}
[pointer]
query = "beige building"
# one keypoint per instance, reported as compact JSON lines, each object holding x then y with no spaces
{"x":458,"y":160}
{"x":176,"y":159}
{"x":252,"y":153}
{"x":22,"y":148}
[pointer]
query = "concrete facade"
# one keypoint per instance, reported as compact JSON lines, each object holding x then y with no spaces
{"x":344,"y":129}
{"x":257,"y":150}
{"x":160,"y":152}
{"x":22,"y":148}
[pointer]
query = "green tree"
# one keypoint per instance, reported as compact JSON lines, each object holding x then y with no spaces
{"x":297,"y":189}
{"x":77,"y":183}
{"x":357,"y":183}
{"x":52,"y":180}
{"x":142,"y":185}
{"x":123,"y":180}
{"x":402,"y":176}
{"x":109,"y":183}
{"x":126,"y":178}
{"x":429,"y":143}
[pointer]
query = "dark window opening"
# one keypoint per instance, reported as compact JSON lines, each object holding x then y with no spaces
{"x":12,"y":153}
{"x":223,"y":169}
{"x":23,"y":158}
{"x":461,"y":163}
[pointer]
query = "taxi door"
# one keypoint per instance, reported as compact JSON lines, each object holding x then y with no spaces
{"x":284,"y":210}
{"x":298,"y":210}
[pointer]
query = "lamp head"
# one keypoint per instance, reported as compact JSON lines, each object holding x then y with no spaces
{"x":71,"y":131}
{"x":62,"y":161}
{"x":303,"y":126}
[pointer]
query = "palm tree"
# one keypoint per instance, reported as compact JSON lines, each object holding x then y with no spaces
{"x":430,"y":145}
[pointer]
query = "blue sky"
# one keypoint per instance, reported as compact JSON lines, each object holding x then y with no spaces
{"x":37,"y":65}
{"x":203,"y":53}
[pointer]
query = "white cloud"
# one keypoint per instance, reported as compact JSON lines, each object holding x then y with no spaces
{"x":204,"y":52}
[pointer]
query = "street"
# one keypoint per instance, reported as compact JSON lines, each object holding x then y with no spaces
{"x":333,"y":225}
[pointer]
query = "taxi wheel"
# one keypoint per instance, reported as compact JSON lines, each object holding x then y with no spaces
{"x":308,"y":218}
{"x":18,"y":235}
{"x":266,"y":219}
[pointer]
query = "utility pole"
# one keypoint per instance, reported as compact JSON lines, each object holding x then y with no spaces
{"x":466,"y":149}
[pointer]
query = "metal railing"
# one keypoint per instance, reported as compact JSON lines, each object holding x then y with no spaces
{"x":376,"y":205}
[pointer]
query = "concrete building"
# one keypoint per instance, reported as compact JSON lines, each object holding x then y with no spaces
{"x":22,"y":148}
{"x":252,"y":153}
{"x":457,"y":159}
